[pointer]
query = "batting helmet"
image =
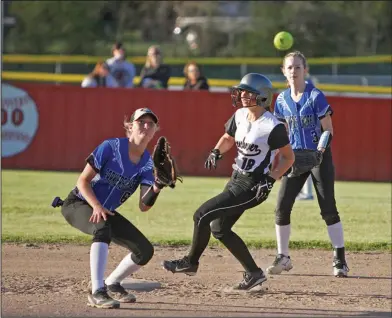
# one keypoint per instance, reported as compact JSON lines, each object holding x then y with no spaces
{"x":257,"y":84}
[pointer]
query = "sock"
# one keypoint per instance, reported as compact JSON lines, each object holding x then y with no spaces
{"x":308,"y":187}
{"x":335,"y":232}
{"x":339,"y":254}
{"x":123,"y":270}
{"x":282,"y":238}
{"x":98,"y":258}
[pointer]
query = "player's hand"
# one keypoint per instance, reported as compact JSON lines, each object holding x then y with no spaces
{"x":99,"y":213}
{"x":319,"y":157}
{"x":263,"y":188}
{"x":212,"y":158}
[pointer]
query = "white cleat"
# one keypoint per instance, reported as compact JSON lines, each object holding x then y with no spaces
{"x":340,"y":269}
{"x":280,"y":264}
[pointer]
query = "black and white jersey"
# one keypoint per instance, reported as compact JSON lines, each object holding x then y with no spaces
{"x":256,"y":141}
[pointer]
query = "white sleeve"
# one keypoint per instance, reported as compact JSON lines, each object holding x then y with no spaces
{"x":88,"y":82}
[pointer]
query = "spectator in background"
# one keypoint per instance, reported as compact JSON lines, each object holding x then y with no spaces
{"x":194,"y":78}
{"x":100,"y":77}
{"x":154,"y":74}
{"x":123,"y":71}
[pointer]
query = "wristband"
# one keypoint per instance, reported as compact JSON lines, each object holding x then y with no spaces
{"x":325,"y":140}
{"x":150,"y":197}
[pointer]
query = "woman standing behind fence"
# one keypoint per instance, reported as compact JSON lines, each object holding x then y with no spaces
{"x":154,"y":74}
{"x":307,"y":115}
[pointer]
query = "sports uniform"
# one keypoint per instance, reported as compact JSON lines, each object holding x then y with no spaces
{"x":257,"y":143}
{"x":304,"y":127}
{"x":116,"y":179}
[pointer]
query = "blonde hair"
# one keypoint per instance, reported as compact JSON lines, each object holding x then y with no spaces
{"x":127,"y":124}
{"x":298,"y":54}
{"x":293,"y":54}
{"x":148,"y":58}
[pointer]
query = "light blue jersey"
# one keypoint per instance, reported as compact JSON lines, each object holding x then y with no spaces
{"x":303,"y":117}
{"x":117,"y":177}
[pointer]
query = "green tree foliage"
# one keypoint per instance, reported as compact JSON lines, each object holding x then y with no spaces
{"x":320,"y":28}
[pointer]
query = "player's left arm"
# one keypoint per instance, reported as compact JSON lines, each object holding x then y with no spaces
{"x":324,"y":112}
{"x":326,"y":136}
{"x":148,"y":196}
{"x":279,"y":140}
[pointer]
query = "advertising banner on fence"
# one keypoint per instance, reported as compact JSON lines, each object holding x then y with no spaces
{"x":19,"y":120}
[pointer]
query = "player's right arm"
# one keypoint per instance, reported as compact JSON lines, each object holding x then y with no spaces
{"x":225,"y":143}
{"x":84,"y":186}
{"x":95,"y":162}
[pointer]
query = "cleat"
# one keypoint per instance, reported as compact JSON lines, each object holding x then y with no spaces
{"x":101,"y":299}
{"x":119,"y":293}
{"x":250,"y":281}
{"x":181,"y":266}
{"x":340,"y":268}
{"x":280,"y":264}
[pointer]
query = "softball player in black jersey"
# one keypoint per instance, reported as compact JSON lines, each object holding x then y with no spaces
{"x":307,"y":114}
{"x":258,"y":135}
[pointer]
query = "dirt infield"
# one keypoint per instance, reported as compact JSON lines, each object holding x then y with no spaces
{"x":51,"y":281}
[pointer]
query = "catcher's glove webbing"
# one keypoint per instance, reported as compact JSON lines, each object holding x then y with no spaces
{"x":165,"y":169}
{"x":305,"y":160}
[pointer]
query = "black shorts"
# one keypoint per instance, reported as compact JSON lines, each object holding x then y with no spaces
{"x":116,"y":228}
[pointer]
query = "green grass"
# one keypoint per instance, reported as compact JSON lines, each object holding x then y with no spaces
{"x":27,"y":215}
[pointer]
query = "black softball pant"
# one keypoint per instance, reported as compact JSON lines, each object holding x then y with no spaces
{"x":117,"y":228}
{"x":323,"y":178}
{"x":218,"y":215}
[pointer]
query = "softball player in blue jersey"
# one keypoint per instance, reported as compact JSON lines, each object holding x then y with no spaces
{"x":307,"y":115}
{"x":113,"y":172}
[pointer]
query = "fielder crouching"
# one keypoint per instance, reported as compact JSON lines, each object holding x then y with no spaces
{"x":113,"y":172}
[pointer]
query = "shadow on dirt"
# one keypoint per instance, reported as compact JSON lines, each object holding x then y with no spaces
{"x":273,"y":311}
{"x":349,"y":277}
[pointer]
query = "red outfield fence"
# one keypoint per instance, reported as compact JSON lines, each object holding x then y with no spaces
{"x":73,"y":120}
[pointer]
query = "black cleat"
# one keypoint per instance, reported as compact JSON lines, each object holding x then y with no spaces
{"x":251,"y":280}
{"x":181,"y":266}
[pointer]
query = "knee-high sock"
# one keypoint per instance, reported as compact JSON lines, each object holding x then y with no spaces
{"x":98,"y":258}
{"x":282,"y":238}
{"x":335,"y":232}
{"x":123,"y":270}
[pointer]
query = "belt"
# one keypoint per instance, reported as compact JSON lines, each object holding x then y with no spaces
{"x":254,"y":176}
{"x":247,"y":174}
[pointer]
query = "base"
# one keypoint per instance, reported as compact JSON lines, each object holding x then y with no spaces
{"x":140,"y":284}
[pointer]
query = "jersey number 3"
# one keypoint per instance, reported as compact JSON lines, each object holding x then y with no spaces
{"x":247,"y":164}
{"x":315,"y":138}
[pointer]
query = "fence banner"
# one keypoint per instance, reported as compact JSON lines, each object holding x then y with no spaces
{"x":72,"y":121}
